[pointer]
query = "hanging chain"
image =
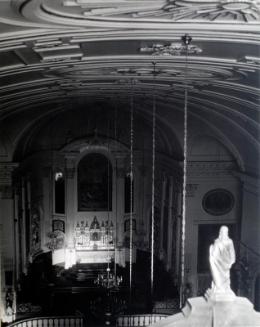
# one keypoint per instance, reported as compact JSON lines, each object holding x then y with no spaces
{"x":115,"y":226}
{"x":153,"y":190}
{"x":186,"y":40}
{"x":131,"y":191}
{"x":108,"y":206}
{"x":153,"y":195}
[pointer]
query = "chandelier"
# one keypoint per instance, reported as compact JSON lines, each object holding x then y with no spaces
{"x":108,"y":280}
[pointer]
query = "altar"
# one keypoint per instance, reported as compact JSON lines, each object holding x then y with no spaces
{"x":93,"y":242}
{"x":69,"y":257}
{"x":99,"y":256}
{"x":94,"y":236}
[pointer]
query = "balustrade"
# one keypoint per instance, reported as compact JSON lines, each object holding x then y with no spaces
{"x":138,"y":320}
{"x":68,"y":321}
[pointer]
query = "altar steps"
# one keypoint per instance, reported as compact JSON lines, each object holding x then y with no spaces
{"x":86,"y":273}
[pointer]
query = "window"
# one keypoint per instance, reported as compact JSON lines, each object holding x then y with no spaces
{"x":218,"y":202}
{"x":95,"y":183}
{"x":59,"y":193}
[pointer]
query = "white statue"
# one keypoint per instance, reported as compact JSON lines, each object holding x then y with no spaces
{"x":70,"y":258}
{"x":221,"y":258}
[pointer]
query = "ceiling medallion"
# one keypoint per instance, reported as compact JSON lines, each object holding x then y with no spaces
{"x":221,"y":10}
{"x":172,"y":49}
{"x":238,"y":5}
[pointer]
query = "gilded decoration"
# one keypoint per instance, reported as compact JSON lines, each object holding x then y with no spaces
{"x":35,"y":230}
{"x":94,"y":236}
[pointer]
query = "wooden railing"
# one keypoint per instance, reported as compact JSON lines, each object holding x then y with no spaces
{"x":66,"y":321}
{"x":138,"y":320}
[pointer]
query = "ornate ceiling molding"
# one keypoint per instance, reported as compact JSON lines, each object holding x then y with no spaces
{"x":90,"y":49}
{"x":57,"y":50}
{"x":117,"y":13}
{"x":172,"y":49}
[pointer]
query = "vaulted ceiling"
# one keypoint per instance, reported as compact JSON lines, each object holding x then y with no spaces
{"x":57,"y":53}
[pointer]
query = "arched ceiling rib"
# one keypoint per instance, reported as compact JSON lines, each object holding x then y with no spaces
{"x":43,"y":131}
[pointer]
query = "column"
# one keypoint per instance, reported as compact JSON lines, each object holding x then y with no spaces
{"x":47,"y":205}
{"x":120,"y":207}
{"x":170,"y":225}
{"x":1,"y":272}
{"x":141,"y":198}
{"x":23,"y":231}
{"x":178,"y":234}
{"x":16,"y":235}
{"x":162,"y":216}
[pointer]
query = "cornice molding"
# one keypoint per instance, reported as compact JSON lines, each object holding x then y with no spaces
{"x":213,"y":169}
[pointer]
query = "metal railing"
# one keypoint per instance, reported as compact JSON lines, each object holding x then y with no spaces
{"x":250,"y":250}
{"x":138,"y":320}
{"x":66,"y":321}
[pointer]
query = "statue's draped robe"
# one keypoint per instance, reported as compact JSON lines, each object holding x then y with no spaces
{"x":222,"y":256}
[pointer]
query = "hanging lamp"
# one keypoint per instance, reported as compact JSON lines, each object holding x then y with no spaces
{"x":108,"y":206}
{"x":116,"y":200}
{"x":153,"y":184}
{"x":177,"y":49}
{"x":109,"y":280}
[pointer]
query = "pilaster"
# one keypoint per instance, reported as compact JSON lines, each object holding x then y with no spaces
{"x":71,"y":198}
{"x":170,"y":225}
{"x":120,"y":180}
{"x":45,"y":211}
{"x":162,"y":215}
{"x":7,"y":236}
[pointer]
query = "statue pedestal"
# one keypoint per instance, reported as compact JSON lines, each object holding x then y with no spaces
{"x":200,"y":312}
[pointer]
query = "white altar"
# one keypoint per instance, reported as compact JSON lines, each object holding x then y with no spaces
{"x":70,"y":257}
{"x":92,"y":243}
{"x":96,"y":236}
{"x":94,"y":256}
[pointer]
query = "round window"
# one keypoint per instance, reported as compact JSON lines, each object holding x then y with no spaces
{"x":218,"y":202}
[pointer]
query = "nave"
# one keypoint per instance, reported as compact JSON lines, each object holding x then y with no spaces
{"x":129,"y":134}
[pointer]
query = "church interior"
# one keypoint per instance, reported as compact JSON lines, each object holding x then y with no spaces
{"x":129,"y":133}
